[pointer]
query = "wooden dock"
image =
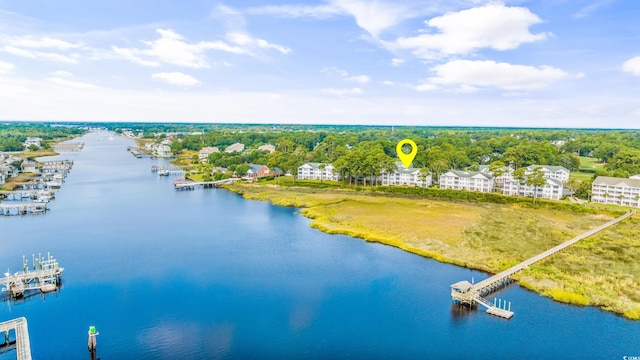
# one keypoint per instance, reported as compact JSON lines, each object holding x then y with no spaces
{"x":19,"y":326}
{"x":181,"y":184}
{"x":466,"y":293}
{"x":68,"y":147}
{"x":21,"y":208}
{"x":166,"y":170}
{"x":45,"y":277}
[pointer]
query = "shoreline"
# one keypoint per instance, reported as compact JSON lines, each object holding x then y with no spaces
{"x":330,"y":210}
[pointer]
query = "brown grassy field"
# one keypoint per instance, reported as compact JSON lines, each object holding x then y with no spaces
{"x":599,"y":271}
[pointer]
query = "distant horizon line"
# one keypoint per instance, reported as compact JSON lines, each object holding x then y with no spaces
{"x":77,"y":122}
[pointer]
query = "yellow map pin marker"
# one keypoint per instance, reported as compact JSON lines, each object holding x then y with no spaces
{"x":407,"y":158}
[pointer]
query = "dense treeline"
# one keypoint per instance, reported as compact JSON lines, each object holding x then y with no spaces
{"x":13,"y":135}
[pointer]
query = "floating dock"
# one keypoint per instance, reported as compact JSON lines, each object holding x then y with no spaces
{"x":21,"y":208}
{"x":45,"y":276}
{"x":464,"y":292}
{"x":19,"y":326}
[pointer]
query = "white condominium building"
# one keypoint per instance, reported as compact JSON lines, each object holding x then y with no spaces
{"x":406,"y":177}
{"x":312,"y":171}
{"x":466,"y":180}
{"x":618,"y":191}
{"x":552,"y":189}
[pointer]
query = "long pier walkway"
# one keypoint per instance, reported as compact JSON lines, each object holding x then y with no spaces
{"x":191,"y":185}
{"x":19,"y":325}
{"x":471,"y":294}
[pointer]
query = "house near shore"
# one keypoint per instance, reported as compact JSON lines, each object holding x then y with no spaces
{"x":402,"y":176}
{"x":32,"y":141}
{"x":466,"y":180}
{"x":204,"y":153}
{"x":314,"y":171}
{"x":8,"y":171}
{"x":618,"y":191}
{"x":29,"y":167}
{"x":237,"y":147}
{"x":257,"y":171}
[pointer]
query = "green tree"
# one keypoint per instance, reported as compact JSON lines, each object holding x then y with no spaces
{"x":519,"y":176}
{"x":536,"y":179}
{"x":497,"y":169}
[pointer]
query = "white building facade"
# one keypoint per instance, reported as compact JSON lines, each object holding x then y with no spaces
{"x":312,"y":171}
{"x":552,"y":189}
{"x":618,"y":191}
{"x":406,"y":177}
{"x":467,"y":180}
{"x":550,"y":172}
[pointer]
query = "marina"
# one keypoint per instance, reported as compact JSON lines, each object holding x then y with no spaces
{"x":68,"y":147}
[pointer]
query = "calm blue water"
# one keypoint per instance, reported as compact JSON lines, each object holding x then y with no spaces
{"x":206,"y":274}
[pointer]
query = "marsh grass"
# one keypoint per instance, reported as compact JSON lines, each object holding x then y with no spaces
{"x":601,"y":270}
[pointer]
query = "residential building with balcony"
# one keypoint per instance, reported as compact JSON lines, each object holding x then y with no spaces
{"x":618,"y":191}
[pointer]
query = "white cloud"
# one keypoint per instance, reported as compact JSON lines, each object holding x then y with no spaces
{"x":375,"y":16}
{"x":38,"y":55}
{"x":171,"y":48}
{"x":632,"y":66}
{"x":342,"y":92}
{"x":129,"y":54}
{"x":246,"y":40}
{"x":465,"y":74}
{"x":6,"y":68}
{"x":492,"y":26}
{"x":71,"y":83}
{"x":587,"y":10}
{"x":62,"y":74}
{"x":395,"y":62}
{"x":360,"y":79}
{"x":388,"y":83}
{"x":333,"y":71}
{"x":36,"y":42}
{"x":295,"y":11}
{"x":425,"y":87}
{"x":176,"y":78}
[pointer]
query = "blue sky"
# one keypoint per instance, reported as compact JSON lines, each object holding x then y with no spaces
{"x":545,"y":63}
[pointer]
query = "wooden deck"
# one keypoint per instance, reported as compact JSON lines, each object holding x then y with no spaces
{"x":19,"y":325}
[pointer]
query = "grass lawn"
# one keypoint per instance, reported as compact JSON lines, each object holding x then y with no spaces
{"x":490,"y":237}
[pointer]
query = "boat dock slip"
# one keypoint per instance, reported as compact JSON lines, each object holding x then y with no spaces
{"x":68,"y":147}
{"x":45,"y":276}
{"x":19,"y":325}
{"x":23,"y":208}
{"x":191,"y":185}
{"x":165,"y":171}
{"x":464,"y":292}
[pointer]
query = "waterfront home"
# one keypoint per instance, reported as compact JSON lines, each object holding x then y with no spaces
{"x":552,"y":189}
{"x":267,"y":147}
{"x":550,"y":172}
{"x":162,"y":151}
{"x":467,"y":180}
{"x":402,"y":176}
{"x":313,"y":171}
{"x":29,"y":167}
{"x":8,"y":171}
{"x":256,"y":171}
{"x":32,"y":141}
{"x":237,"y":147}
{"x":618,"y":191}
{"x":204,"y":153}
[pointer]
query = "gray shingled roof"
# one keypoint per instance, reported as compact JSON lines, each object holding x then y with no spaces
{"x":470,"y":174}
{"x":614,"y":181}
{"x":549,"y":167}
